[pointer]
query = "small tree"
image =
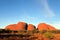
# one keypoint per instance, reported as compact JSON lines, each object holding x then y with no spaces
{"x":49,"y":35}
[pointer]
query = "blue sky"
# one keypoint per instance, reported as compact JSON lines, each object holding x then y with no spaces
{"x":30,"y":11}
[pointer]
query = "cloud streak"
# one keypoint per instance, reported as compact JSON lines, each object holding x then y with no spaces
{"x":46,"y":8}
{"x":56,"y":25}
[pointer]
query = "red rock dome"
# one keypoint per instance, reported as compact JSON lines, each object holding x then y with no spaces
{"x":22,"y":26}
{"x":44,"y":26}
{"x":18,"y":26}
{"x":31,"y":27}
{"x":11,"y":27}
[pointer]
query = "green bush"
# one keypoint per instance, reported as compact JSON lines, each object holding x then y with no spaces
{"x":49,"y":35}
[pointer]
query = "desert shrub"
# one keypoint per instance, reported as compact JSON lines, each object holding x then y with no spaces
{"x":29,"y":32}
{"x":35,"y":31}
{"x":4,"y":31}
{"x":49,"y":35}
{"x":22,"y":32}
{"x":15,"y":31}
{"x":55,"y":31}
{"x":43,"y":31}
{"x":8,"y":31}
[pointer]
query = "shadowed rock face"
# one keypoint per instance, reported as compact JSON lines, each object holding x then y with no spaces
{"x":18,"y":26}
{"x":31,"y":27}
{"x":43,"y":26}
{"x":22,"y":26}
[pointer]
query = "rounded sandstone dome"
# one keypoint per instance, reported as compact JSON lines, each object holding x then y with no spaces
{"x":18,"y":26}
{"x":31,"y":27}
{"x":22,"y":25}
{"x":11,"y":27}
{"x":44,"y":26}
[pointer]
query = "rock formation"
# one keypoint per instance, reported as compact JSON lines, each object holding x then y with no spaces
{"x":44,"y":26}
{"x":18,"y":26}
{"x":25,"y":26}
{"x":11,"y":27}
{"x":22,"y":26}
{"x":31,"y":27}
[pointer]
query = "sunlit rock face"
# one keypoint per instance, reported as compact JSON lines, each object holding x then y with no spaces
{"x":22,"y":26}
{"x":44,"y":26}
{"x":25,"y":26}
{"x":31,"y":27}
{"x":18,"y":26}
{"x":11,"y":27}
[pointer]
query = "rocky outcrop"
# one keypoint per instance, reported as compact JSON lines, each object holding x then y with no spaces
{"x":18,"y":26}
{"x":44,"y":26}
{"x":11,"y":27}
{"x":31,"y":27}
{"x":22,"y":26}
{"x":25,"y":26}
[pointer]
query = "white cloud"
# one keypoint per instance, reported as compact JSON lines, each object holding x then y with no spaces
{"x":48,"y":12}
{"x":57,"y":25}
{"x":54,"y":24}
